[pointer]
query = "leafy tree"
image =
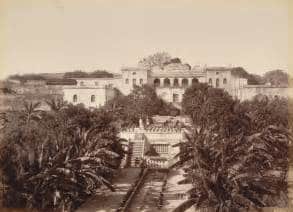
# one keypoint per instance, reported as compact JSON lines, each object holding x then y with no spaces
{"x":214,"y":108}
{"x":75,"y":74}
{"x":7,"y":90}
{"x":252,"y":79}
{"x":56,"y":104}
{"x":101,"y":74}
{"x":173,"y":60}
{"x":142,"y":102}
{"x":276,"y":77}
{"x":30,"y":112}
{"x":59,"y":159}
{"x":157,"y":59}
{"x":263,"y":111}
{"x":236,"y":154}
{"x":255,"y":79}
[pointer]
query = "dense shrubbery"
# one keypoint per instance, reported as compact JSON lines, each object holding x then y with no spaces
{"x":142,"y":102}
{"x":236,"y":155}
{"x":57,"y":159}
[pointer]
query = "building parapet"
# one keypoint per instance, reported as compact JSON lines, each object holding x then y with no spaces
{"x":153,"y":129}
{"x":177,"y":73}
{"x":85,"y":87}
{"x":265,"y":86}
{"x":126,"y":68}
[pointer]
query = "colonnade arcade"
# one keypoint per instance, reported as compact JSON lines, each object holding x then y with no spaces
{"x":174,"y":82}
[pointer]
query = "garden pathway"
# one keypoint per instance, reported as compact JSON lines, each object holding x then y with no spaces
{"x":108,"y":201}
{"x":146,"y":200}
{"x":173,"y":188}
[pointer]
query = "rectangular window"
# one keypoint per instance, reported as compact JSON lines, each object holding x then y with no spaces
{"x":134,"y":81}
{"x":175,"y":97}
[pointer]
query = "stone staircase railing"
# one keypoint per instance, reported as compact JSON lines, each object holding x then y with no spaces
{"x":124,"y":207}
{"x":156,"y":164}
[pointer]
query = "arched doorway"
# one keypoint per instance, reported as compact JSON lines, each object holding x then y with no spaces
{"x":176,"y":82}
{"x":224,"y":81}
{"x":157,"y":82}
{"x":185,"y":82}
{"x":217,"y":83}
{"x":93,"y":98}
{"x":74,"y":98}
{"x":194,"y":81}
{"x":167,"y":82}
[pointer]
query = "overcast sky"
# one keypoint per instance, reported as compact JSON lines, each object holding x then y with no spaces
{"x":66,"y":35}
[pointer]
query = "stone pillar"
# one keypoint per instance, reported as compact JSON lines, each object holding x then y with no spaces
{"x":162,"y":82}
{"x":189,"y":81}
{"x":180,"y":82}
{"x":171,"y":82}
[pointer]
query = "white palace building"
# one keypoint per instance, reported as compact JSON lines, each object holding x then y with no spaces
{"x":169,"y":82}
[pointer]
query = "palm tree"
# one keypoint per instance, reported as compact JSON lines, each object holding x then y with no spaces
{"x":241,"y":172}
{"x":56,"y":104}
{"x":31,"y":112}
{"x":70,"y":161}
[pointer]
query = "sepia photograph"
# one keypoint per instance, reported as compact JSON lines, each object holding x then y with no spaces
{"x":145,"y":106}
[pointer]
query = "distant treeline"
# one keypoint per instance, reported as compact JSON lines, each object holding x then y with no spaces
{"x":65,"y":80}
{"x":26,"y":77}
{"x":275,"y":77}
{"x":82,"y":74}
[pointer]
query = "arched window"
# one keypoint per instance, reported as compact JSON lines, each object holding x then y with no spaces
{"x":224,"y":81}
{"x":93,"y":98}
{"x":166,"y":82}
{"x":126,"y":81}
{"x":157,"y":82}
{"x":176,"y":82}
{"x":194,"y":81}
{"x":81,"y":83}
{"x":140,"y":81}
{"x":210,"y":81}
{"x":217,"y":83}
{"x":185,"y":82}
{"x":74,"y":98}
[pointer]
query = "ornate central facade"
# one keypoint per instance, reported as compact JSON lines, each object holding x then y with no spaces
{"x":170,"y":83}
